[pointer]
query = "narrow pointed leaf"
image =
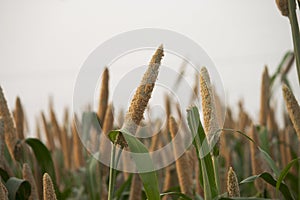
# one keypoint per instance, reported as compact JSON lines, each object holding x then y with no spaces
{"x":203,"y":152}
{"x":142,"y":161}
{"x":44,"y":159}
{"x":269,"y":179}
{"x":285,"y":171}
{"x":270,"y":161}
{"x":18,"y":188}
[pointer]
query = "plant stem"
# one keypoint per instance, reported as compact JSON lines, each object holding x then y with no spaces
{"x":295,"y":33}
{"x":112,"y":173}
{"x":216,"y":171}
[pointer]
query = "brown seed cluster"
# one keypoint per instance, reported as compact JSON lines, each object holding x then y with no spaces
{"x":48,"y":189}
{"x":10,"y":132}
{"x":77,"y":146}
{"x":292,"y":108}
{"x":211,"y":125}
{"x":232,"y":184}
{"x":49,"y":136}
{"x":256,"y":160}
{"x":19,"y":119}
{"x":143,"y":93}
{"x":264,"y":97}
{"x":104,"y":146}
{"x":27,"y":175}
{"x":2,"y":142}
{"x":104,"y":93}
{"x":283,"y":7}
{"x":69,"y":155}
{"x":55,"y":129}
{"x":182,"y":163}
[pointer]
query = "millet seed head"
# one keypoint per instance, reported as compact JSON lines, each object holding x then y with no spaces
{"x":292,"y":108}
{"x":48,"y":189}
{"x":232,"y":184}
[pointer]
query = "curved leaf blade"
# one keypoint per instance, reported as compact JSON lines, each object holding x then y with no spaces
{"x":270,"y":161}
{"x":264,"y":154}
{"x":269,"y":179}
{"x":148,"y":178}
{"x":285,"y":171}
{"x":123,"y":188}
{"x":44,"y":160}
{"x":18,"y":188}
{"x":204,"y":156}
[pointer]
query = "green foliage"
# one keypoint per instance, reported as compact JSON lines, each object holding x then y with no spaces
{"x":4,"y":174}
{"x":85,"y":182}
{"x":123,"y":188}
{"x":92,"y":177}
{"x":270,"y":161}
{"x":44,"y":160}
{"x":295,"y":33}
{"x":267,"y":177}
{"x":203,"y":153}
{"x":89,"y":120}
{"x":284,"y":172}
{"x":18,"y":188}
{"x":148,"y":178}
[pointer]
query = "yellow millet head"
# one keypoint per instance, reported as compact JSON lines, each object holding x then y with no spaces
{"x":104,"y":93}
{"x":143,"y":93}
{"x":19,"y":118}
{"x":10,"y":132}
{"x":264,"y":97}
{"x":27,"y":175}
{"x":232,"y":184}
{"x":173,"y":126}
{"x":208,"y":104}
{"x":48,"y":189}
{"x":109,"y":119}
{"x":292,"y":108}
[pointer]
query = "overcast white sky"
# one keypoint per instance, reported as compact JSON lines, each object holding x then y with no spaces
{"x":44,"y":43}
